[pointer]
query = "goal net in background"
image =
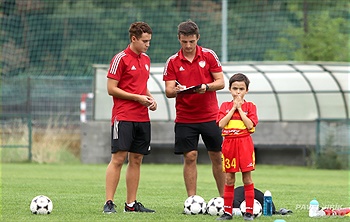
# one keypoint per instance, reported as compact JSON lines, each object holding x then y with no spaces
{"x":65,"y":37}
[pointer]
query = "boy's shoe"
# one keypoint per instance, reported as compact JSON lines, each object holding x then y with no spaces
{"x":225,"y":216}
{"x":137,"y":207}
{"x":248,"y":216}
{"x":109,"y":207}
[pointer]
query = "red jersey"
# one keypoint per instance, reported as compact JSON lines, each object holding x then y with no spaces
{"x":194,"y":108}
{"x":132,"y":71}
{"x":235,"y":127}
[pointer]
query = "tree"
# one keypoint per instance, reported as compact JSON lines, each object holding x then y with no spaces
{"x":324,"y":36}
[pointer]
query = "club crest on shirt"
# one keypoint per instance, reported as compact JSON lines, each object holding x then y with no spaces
{"x":202,"y":64}
{"x":146,"y":66}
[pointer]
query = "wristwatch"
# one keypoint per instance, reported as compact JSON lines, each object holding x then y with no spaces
{"x":206,"y":87}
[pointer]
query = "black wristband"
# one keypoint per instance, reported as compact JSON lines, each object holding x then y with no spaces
{"x":206,"y":87}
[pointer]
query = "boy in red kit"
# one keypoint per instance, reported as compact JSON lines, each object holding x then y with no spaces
{"x":238,"y":119}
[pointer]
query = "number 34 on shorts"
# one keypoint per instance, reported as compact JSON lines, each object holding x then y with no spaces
{"x":228,"y":163}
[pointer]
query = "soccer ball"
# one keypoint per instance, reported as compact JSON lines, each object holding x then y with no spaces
{"x":41,"y":205}
{"x":194,"y":205}
{"x":257,"y":208}
{"x":215,"y":206}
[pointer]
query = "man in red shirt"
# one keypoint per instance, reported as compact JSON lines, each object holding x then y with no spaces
{"x":131,"y":129}
{"x":196,"y":109}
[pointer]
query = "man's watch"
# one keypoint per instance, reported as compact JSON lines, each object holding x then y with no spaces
{"x":206,"y":87}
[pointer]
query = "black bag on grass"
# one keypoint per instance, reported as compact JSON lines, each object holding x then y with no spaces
{"x":259,"y":196}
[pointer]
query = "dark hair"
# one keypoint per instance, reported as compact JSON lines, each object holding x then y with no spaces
{"x":187,"y":28}
{"x":239,"y":77}
{"x":138,"y":28}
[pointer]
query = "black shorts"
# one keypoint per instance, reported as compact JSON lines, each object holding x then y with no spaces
{"x":187,"y":136}
{"x":134,"y":137}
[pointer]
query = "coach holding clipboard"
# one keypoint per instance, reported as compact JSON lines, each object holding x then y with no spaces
{"x":192,"y":76}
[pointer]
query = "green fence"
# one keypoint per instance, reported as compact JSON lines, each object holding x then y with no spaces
{"x":16,"y":132}
{"x":333,"y":143}
{"x":46,"y":98}
{"x":333,"y":134}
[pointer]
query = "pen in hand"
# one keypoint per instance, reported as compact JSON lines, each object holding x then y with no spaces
{"x":180,"y":86}
{"x":178,"y":83}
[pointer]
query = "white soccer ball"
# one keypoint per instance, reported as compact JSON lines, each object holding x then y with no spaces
{"x":41,"y":205}
{"x":215,"y":206}
{"x":194,"y":205}
{"x":257,"y":208}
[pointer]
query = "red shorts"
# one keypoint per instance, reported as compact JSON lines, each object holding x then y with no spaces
{"x":238,"y":154}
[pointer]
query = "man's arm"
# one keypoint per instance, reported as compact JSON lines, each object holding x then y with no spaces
{"x":170,"y":89}
{"x":114,"y":90}
{"x":218,"y":82}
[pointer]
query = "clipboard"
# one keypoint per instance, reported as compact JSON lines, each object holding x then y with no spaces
{"x":190,"y":90}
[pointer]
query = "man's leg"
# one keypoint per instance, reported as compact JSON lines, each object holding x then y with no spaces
{"x":113,"y":173}
{"x":219,"y":176}
{"x":190,"y":172}
{"x":133,"y":176}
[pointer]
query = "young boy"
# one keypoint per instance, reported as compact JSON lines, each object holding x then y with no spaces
{"x":238,"y":119}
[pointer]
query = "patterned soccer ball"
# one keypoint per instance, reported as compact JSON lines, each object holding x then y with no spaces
{"x":215,"y":206}
{"x":257,"y":208}
{"x":194,"y":205}
{"x":41,"y":205}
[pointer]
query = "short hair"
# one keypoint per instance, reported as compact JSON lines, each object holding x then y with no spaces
{"x":239,"y":77}
{"x":138,"y":28}
{"x":187,"y":28}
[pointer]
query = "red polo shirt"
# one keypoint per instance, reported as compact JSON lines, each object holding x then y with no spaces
{"x":194,"y":108}
{"x":132,"y":71}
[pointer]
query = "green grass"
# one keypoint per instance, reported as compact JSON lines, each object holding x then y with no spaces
{"x":77,"y":191}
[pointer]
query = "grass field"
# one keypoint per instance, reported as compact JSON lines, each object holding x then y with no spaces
{"x":77,"y":191}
